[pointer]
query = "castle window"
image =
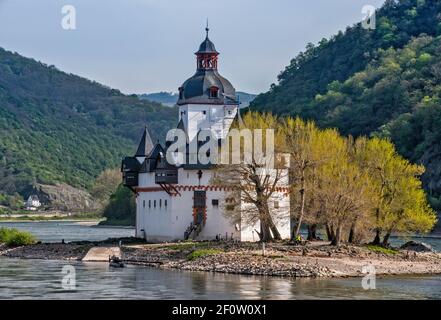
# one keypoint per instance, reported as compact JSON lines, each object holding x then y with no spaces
{"x":214,"y":92}
{"x":150,"y":203}
{"x":154,"y":203}
{"x":143,"y":203}
{"x":160,"y":203}
{"x":276,"y":205}
{"x":215,"y":202}
{"x":204,"y":112}
{"x":165,"y":203}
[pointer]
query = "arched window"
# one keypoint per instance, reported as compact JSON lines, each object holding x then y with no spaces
{"x":214,"y":92}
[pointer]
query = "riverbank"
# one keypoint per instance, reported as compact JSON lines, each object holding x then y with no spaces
{"x":317,"y":259}
{"x":50,"y":216}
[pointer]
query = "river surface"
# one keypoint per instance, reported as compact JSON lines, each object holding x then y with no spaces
{"x":55,"y":231}
{"x":42,"y":279}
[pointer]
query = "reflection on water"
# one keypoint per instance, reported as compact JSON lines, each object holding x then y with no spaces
{"x":55,"y":231}
{"x":38,"y":279}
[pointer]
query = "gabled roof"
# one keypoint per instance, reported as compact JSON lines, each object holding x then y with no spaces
{"x":156,"y":151}
{"x":146,"y":144}
{"x":151,"y":160}
{"x":130,"y":164}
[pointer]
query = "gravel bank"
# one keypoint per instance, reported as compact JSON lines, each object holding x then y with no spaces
{"x":313,"y":260}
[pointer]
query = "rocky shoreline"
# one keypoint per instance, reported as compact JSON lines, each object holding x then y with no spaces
{"x":315,"y":260}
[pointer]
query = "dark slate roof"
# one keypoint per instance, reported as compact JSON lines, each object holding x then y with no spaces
{"x":196,"y":89}
{"x":207,"y":47}
{"x":156,"y":151}
{"x":151,"y":160}
{"x":130,"y":164}
{"x":146,"y":144}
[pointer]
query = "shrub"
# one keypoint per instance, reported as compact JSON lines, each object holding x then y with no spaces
{"x":14,"y":237}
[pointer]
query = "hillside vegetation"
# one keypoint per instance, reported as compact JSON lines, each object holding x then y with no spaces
{"x":383,"y":82}
{"x":60,"y":128}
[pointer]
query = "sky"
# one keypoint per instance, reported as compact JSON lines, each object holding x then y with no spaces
{"x":144,"y":46}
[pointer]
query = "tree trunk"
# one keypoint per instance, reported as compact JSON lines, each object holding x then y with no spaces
{"x":312,"y":232}
{"x":267,"y":224}
{"x":330,"y":232}
{"x":351,"y":238}
{"x":265,"y":233}
{"x":302,"y":204}
{"x":276,"y":233}
{"x":386,"y":239}
{"x":337,"y":238}
{"x":377,"y":240}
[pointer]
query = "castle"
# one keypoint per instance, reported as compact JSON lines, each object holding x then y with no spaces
{"x":181,"y":202}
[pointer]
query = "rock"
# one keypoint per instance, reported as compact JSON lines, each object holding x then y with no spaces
{"x":63,"y":197}
{"x":417,"y":246}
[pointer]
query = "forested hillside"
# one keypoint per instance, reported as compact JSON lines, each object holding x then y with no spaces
{"x":58,"y":127}
{"x":384,"y":82}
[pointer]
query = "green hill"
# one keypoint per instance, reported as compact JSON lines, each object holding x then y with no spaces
{"x":384,"y":82}
{"x":60,"y":128}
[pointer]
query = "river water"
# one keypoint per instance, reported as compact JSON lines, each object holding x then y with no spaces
{"x":41,"y":279}
{"x":55,"y":231}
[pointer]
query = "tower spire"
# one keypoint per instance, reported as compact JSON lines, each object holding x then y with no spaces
{"x":207,"y":29}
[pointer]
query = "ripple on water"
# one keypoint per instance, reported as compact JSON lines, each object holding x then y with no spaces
{"x":38,"y":279}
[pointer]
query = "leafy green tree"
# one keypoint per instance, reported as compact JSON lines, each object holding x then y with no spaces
{"x":106,"y":185}
{"x":121,"y":208}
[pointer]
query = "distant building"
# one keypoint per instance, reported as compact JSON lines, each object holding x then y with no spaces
{"x":178,"y":203}
{"x":33,"y":203}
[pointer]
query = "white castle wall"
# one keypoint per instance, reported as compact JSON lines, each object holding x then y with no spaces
{"x":171,"y":216}
{"x":217,"y":118}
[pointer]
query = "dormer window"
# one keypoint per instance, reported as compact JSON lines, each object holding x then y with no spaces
{"x":214,"y":92}
{"x":181,"y":93}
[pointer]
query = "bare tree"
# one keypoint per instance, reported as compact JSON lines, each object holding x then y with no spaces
{"x":258,"y":192}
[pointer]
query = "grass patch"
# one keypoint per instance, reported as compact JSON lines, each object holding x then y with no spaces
{"x":379,"y":249}
{"x":14,"y":237}
{"x":202,"y":253}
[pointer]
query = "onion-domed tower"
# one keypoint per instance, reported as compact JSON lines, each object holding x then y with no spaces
{"x":207,"y":100}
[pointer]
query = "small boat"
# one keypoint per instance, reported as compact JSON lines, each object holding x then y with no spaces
{"x":116,"y":262}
